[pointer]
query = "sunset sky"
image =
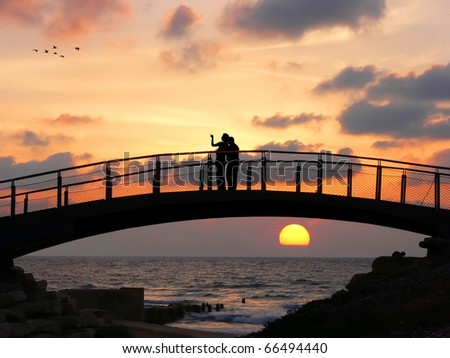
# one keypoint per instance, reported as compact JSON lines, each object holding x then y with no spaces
{"x":368,"y":77}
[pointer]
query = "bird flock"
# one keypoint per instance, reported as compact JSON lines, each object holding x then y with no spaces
{"x":54,"y":50}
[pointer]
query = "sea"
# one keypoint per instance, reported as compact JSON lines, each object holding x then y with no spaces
{"x":253,"y":291}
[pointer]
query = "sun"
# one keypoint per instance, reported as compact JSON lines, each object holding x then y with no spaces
{"x":294,"y":235}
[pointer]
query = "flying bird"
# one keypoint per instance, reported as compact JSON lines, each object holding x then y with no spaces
{"x":61,"y":56}
{"x":35,"y":50}
{"x":77,"y":48}
{"x":46,"y":51}
{"x":55,"y":53}
{"x":54,"y":47}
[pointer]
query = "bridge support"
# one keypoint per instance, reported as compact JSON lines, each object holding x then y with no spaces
{"x":436,"y":246}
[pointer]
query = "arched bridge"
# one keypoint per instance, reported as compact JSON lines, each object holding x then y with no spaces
{"x":42,"y":210}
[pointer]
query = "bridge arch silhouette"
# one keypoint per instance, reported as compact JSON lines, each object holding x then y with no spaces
{"x":46,"y":209}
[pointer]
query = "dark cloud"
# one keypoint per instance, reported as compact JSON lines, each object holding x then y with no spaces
{"x":399,"y":119}
{"x":350,"y":78}
{"x":32,"y":139}
{"x":70,"y":119}
{"x":293,"y":18}
{"x":284,"y":121}
{"x":291,"y":146}
{"x":432,"y":85}
{"x":179,"y":22}
{"x":29,"y":138}
{"x":9,"y":168}
{"x":194,"y":56}
{"x":387,"y":144}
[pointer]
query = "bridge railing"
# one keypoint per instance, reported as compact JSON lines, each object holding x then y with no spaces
{"x":321,"y":173}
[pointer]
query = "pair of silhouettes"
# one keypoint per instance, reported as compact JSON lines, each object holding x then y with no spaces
{"x":227,"y":162}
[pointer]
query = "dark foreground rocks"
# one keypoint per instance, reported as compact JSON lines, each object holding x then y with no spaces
{"x":27,"y":309}
{"x":400,"y":297}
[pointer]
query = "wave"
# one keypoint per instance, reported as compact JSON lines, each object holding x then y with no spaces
{"x":87,"y":286}
{"x":232,"y":318}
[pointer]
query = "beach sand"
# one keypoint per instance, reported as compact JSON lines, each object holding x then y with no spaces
{"x":149,"y":330}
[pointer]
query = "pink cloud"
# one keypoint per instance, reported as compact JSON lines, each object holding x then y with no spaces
{"x":70,"y":119}
{"x":23,"y":12}
{"x":179,"y":22}
{"x":75,"y":19}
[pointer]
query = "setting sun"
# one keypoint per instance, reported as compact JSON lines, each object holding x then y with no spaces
{"x":294,"y":235}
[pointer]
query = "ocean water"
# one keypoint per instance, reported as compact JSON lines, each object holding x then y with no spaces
{"x":270,"y":286}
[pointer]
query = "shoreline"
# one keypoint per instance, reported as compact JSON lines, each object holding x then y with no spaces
{"x":151,"y":330}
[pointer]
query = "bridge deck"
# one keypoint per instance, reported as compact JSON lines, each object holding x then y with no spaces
{"x":45,"y":209}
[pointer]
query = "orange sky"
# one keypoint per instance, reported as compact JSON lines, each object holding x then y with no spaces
{"x":372,"y":76}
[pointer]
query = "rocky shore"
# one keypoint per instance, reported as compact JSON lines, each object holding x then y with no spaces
{"x":27,"y":309}
{"x":400,"y":297}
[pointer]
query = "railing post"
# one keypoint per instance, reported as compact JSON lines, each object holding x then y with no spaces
{"x":349,"y":181}
{"x":59,"y":191}
{"x":298,"y":178}
{"x":13,"y":199}
{"x":157,"y":177}
{"x":108,"y":182}
{"x":437,"y":190}
{"x":263,"y":172}
{"x":209,"y":169}
{"x":25,"y":204}
{"x":403,"y":188}
{"x":66,"y":196}
{"x":249,"y":176}
{"x":320,"y":175}
{"x":202,"y":173}
{"x":378,"y":183}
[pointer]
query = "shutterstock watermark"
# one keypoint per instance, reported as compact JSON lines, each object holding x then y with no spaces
{"x":181,"y":170}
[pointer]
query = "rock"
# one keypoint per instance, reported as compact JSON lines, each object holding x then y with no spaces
{"x":5,"y":300}
{"x":11,"y":286}
{"x":5,"y":330}
{"x":42,"y":285}
{"x":88,"y":319}
{"x":20,"y":330}
{"x":18,"y":296}
{"x":39,"y":308}
{"x":67,"y":322}
{"x":44,"y":326}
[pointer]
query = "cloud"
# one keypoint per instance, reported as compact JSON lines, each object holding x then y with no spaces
{"x":291,"y":146}
{"x":195,"y":56}
{"x":399,"y":119}
{"x":23,"y":12}
{"x":179,"y":22}
{"x":441,"y":158}
{"x":431,"y":85}
{"x":293,"y":18}
{"x":284,"y":121}
{"x":288,"y":66}
{"x":350,"y":78}
{"x":9,"y":168}
{"x":74,"y":19}
{"x":387,"y":144}
{"x":29,"y":138}
{"x":69,"y":119}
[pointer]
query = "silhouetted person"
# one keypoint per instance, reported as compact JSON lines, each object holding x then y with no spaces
{"x":221,"y":160}
{"x":232,"y":164}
